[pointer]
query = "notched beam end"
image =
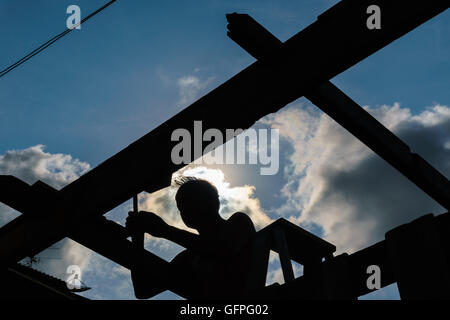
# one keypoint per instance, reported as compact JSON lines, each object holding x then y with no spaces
{"x":252,"y":36}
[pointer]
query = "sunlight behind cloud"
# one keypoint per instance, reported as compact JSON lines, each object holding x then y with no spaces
{"x":335,"y":182}
{"x":232,"y":198}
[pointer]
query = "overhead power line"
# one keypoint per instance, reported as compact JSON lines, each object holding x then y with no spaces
{"x":51,"y":41}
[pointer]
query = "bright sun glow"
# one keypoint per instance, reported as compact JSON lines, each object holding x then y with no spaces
{"x":234,"y":198}
{"x":215,"y":176}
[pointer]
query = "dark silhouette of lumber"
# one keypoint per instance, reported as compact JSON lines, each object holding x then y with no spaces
{"x":262,"y":88}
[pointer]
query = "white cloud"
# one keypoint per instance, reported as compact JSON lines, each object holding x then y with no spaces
{"x":335,"y":182}
{"x":433,"y":116}
{"x":190,"y":87}
{"x":274,"y":276}
{"x":34,"y":164}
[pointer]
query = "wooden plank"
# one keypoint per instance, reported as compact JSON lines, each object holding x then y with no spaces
{"x":262,"y":88}
{"x":285,"y":259}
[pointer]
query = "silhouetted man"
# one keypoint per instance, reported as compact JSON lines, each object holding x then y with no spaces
{"x":215,"y":263}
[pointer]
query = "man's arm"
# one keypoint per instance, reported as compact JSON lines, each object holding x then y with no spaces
{"x":154,"y":225}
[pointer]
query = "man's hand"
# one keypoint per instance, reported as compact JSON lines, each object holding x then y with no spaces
{"x":147,"y":222}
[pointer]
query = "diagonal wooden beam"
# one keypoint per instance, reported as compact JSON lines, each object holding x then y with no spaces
{"x":13,"y":192}
{"x":262,"y":88}
{"x":38,"y":227}
{"x":314,"y":55}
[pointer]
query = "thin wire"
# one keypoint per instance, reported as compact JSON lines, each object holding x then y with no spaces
{"x":51,"y":41}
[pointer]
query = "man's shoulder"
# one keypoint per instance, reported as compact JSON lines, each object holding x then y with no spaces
{"x":242,"y":221}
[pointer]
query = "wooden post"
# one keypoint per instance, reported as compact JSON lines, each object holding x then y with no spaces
{"x":138,"y":247}
{"x":283,"y":252}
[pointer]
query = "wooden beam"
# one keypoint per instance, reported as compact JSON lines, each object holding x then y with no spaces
{"x":420,"y":260}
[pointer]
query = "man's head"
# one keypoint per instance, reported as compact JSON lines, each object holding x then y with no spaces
{"x":198,"y":202}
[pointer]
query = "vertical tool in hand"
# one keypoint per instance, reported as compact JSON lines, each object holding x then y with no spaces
{"x":138,"y":243}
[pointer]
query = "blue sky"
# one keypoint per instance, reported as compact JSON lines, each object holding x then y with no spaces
{"x":100,"y":88}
